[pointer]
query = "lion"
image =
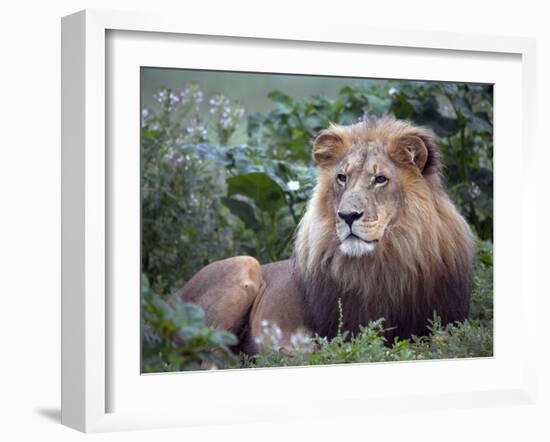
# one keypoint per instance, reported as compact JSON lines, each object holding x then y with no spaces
{"x":380,"y":238}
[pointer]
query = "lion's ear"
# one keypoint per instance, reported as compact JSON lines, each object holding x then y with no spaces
{"x":328,"y":148}
{"x":418,"y":150}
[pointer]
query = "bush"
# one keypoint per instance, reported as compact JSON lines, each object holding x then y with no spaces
{"x":468,"y":339}
{"x":184,"y":223}
{"x":177,"y":338}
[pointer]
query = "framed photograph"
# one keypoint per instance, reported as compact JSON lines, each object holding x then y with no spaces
{"x":277,"y":210}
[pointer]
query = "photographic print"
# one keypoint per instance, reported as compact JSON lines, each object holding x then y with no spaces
{"x":299,"y":220}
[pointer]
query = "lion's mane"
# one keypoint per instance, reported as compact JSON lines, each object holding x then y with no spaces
{"x":423,"y":264}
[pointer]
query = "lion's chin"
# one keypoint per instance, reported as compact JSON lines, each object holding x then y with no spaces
{"x":355,"y":247}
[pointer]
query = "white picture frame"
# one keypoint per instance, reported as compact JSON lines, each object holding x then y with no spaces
{"x":87,"y":353}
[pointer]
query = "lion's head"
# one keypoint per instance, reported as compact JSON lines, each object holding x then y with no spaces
{"x":380,"y":232}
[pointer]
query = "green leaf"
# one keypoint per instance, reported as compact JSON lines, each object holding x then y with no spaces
{"x":314,"y":123}
{"x":284,"y":103}
{"x":480,"y":123}
{"x":462,"y":107}
{"x":279,"y":97}
{"x":379,"y":106}
{"x":346,"y":90}
{"x":188,"y":313}
{"x":260,"y":188}
{"x":223,"y":338}
{"x":450,"y":89}
{"x":243,"y":210}
{"x":188,"y":332}
{"x":255,"y":123}
{"x":401,"y":107}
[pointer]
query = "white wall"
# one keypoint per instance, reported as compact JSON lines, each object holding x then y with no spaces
{"x":30,"y":213}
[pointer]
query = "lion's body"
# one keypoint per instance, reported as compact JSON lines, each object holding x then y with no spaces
{"x":380,"y":235}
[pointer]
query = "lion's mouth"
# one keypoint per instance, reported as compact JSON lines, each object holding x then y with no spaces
{"x":353,"y":235}
{"x":355,"y":246}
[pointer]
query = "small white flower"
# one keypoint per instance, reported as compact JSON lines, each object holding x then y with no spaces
{"x":277,"y":332}
{"x":184,"y":95}
{"x":160,"y":96}
{"x":259,"y":340}
{"x":475,"y":191}
{"x":293,"y":185}
{"x":392,"y":91}
{"x":198,"y":96}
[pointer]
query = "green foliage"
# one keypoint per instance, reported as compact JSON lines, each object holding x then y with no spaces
{"x":184,"y":223}
{"x":481,"y":307}
{"x":268,"y":195}
{"x":287,"y":131}
{"x":260,"y":188}
{"x":459,"y":114}
{"x":367,"y":346}
{"x":177,"y":338}
{"x":462,"y":116}
{"x":460,"y":340}
{"x":226,"y":115}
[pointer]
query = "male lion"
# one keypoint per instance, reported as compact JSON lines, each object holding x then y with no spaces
{"x":380,"y":235}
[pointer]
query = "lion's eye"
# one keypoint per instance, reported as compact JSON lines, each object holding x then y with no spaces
{"x":380,"y":179}
{"x":341,"y":178}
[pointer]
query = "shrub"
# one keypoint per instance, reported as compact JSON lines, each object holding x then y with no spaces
{"x":177,"y":338}
{"x":184,"y":223}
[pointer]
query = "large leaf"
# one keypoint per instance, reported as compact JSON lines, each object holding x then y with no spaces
{"x":255,"y":122}
{"x":186,"y":313}
{"x":243,"y":210}
{"x":284,"y":103}
{"x":379,"y":105}
{"x":480,"y":122}
{"x":462,"y":107}
{"x":280,"y":97}
{"x":260,"y":188}
{"x":401,"y":107}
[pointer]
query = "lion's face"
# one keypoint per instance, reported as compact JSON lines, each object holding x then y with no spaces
{"x":365,"y":195}
{"x":367,"y":176}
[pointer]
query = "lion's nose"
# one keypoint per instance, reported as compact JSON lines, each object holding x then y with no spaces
{"x":350,"y":217}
